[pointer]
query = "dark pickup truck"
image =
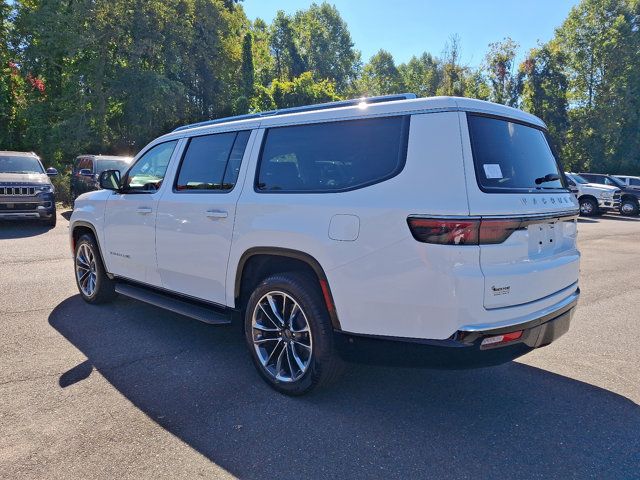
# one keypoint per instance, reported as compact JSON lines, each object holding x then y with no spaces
{"x":630,"y":198}
{"x":25,"y":188}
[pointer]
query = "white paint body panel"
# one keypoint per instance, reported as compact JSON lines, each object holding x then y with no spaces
{"x":383,"y":282}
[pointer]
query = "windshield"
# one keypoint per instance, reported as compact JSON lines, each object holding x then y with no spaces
{"x":617,"y":182}
{"x":512,"y":157}
{"x":578,"y":179}
{"x":103,"y":165}
{"x":16,"y":164}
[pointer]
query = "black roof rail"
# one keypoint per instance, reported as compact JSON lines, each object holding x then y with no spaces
{"x":304,"y":108}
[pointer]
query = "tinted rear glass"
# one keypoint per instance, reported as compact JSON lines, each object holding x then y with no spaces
{"x":332,"y":157}
{"x":510,"y":156}
{"x":112,"y":164}
{"x":212,"y":162}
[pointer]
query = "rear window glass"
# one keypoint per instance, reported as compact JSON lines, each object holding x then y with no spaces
{"x":212,"y":162}
{"x":331,"y":157}
{"x":111,"y":164}
{"x":510,"y":157}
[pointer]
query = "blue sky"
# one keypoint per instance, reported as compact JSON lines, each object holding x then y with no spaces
{"x":408,"y":27}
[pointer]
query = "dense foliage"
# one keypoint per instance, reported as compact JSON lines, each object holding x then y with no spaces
{"x":107,"y":76}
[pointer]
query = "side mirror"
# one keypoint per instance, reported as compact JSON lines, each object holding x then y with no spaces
{"x":110,"y":180}
{"x":52,"y":172}
{"x":85,"y":172}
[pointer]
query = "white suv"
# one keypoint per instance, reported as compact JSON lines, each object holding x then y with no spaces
{"x":434,"y":230}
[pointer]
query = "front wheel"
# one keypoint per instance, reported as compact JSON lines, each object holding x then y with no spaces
{"x":629,"y":207}
{"x":91,"y":277}
{"x":588,"y":207}
{"x":289,"y":334}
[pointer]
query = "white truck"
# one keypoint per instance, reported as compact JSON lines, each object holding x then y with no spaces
{"x":594,"y":198}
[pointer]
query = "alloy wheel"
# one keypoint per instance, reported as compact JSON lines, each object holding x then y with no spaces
{"x":86,"y":270}
{"x":281,"y":336}
{"x":627,"y":208}
{"x":586,"y":208}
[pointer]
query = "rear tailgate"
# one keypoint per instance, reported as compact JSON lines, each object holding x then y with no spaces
{"x":536,"y":261}
{"x":511,"y":176}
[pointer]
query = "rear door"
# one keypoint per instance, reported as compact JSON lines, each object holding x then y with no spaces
{"x":515,"y":185}
{"x":196,"y":216}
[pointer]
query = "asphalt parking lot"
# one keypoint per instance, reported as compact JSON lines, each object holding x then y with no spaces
{"x":130,"y":391}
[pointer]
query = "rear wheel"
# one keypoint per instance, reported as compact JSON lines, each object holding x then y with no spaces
{"x":91,"y":277}
{"x":588,"y":207}
{"x":629,"y":207}
{"x":289,"y":334}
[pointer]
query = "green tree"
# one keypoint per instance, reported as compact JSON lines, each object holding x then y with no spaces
{"x":248,"y":69}
{"x":500,"y":65}
{"x":542,"y":87}
{"x":453,"y":73}
{"x":264,"y":64}
{"x":380,"y":76}
{"x":601,"y":41}
{"x":325,"y":44}
{"x":288,"y":61}
{"x":421,"y":75}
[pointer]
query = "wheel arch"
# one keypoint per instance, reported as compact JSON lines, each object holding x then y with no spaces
{"x":81,"y":227}
{"x":589,"y":196}
{"x":263,"y":255}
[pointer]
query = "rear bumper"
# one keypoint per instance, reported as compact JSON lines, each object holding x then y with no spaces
{"x":464,"y":349}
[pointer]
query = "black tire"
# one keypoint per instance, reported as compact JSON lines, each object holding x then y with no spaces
{"x":51,"y":221}
{"x":588,"y":207}
{"x":629,"y":207}
{"x":104,"y":290}
{"x":324,"y":364}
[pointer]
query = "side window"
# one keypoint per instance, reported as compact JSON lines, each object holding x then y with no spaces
{"x":635,"y":182}
{"x":147,"y":173}
{"x":212,"y":162}
{"x":332,"y":157}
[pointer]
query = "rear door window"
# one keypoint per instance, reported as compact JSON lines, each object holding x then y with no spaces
{"x":511,"y":157}
{"x":332,"y":157}
{"x":212,"y":162}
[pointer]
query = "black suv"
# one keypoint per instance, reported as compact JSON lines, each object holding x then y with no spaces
{"x":87,"y":169}
{"x":25,"y":188}
{"x":630,"y":201}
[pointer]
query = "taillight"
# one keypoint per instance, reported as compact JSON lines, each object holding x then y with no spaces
{"x":494,"y":231}
{"x":444,"y":231}
{"x":450,"y":231}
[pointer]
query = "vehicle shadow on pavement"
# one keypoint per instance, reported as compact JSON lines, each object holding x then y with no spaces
{"x":21,"y":228}
{"x":197,"y":381}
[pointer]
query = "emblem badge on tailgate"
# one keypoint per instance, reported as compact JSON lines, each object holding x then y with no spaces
{"x":500,"y":290}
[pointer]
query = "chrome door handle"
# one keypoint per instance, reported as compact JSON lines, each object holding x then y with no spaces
{"x":216,"y":214}
{"x":143,"y":210}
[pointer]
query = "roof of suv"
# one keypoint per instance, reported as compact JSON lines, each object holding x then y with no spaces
{"x":105,"y":157}
{"x":8,"y":153}
{"x":405,"y":106}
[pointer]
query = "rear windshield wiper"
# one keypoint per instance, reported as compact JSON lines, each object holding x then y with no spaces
{"x":549,"y":177}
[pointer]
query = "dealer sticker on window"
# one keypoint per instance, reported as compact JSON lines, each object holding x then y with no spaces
{"x":492,"y":170}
